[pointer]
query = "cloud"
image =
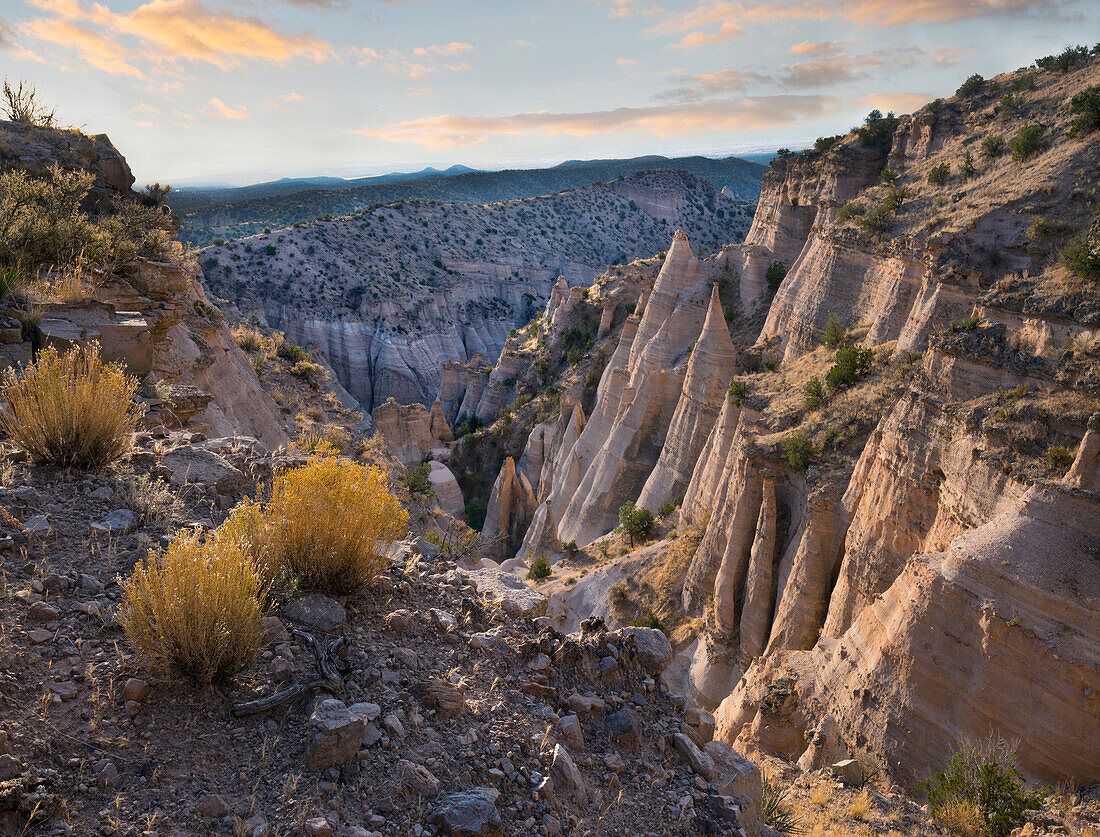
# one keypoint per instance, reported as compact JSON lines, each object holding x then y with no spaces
{"x":815,"y":48}
{"x":626,"y":8}
{"x":745,"y":114}
{"x":141,"y":107}
{"x":220,"y":108}
{"x":842,"y":67}
{"x":694,"y":87}
{"x":7,"y":35}
{"x":715,"y":21}
{"x":520,"y":42}
{"x":626,"y":62}
{"x":160,"y":32}
{"x":451,"y":49}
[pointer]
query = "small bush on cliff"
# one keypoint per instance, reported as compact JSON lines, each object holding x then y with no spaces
{"x":1086,"y":105}
{"x":798,"y":450}
{"x":993,"y":146}
{"x":327,"y":525}
{"x":1080,"y":258}
{"x":1027,"y":142}
{"x":71,"y":410}
{"x":939,"y":174}
{"x":774,"y":275}
{"x":852,"y":363}
{"x":813,"y":394}
{"x":878,"y":219}
{"x":417,"y":479}
{"x":877,"y":130}
{"x":540,"y":568}
{"x":834,"y":331}
{"x":195,"y":609}
{"x":636,"y":522}
{"x":973,"y":85}
{"x":983,"y":777}
{"x":967,"y":168}
{"x":21,"y":104}
{"x":1066,"y":60}
{"x":852,"y":209}
{"x":475,"y":513}
{"x":736,"y":392}
{"x":1057,"y":458}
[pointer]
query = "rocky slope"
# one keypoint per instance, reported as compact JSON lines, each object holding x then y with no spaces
{"x":235,"y":213}
{"x":389,"y":295}
{"x":908,"y":558}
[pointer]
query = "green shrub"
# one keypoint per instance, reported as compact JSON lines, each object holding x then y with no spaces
{"x":1080,"y":258}
{"x":736,"y":392}
{"x":834,"y":331}
{"x":1027,"y":142}
{"x":775,"y":811}
{"x":877,"y":220}
{"x":877,"y":130}
{"x":573,"y":357}
{"x":986,"y":778}
{"x":852,"y":363}
{"x":813,"y":394}
{"x":967,"y":323}
{"x":670,"y":505}
{"x":798,"y":450}
{"x":570,"y":547}
{"x":416,"y":480}
{"x":1010,"y":104}
{"x":636,"y":521}
{"x":540,"y":568}
{"x":1058,"y":458}
{"x":993,"y":146}
{"x":1086,"y":105}
{"x":1066,"y":60}
{"x":887,"y":176}
{"x":650,"y":620}
{"x":475,"y":513}
{"x":973,"y":85}
{"x":852,"y":209}
{"x":967,"y":169}
{"x":775,"y":274}
{"x":939,"y":174}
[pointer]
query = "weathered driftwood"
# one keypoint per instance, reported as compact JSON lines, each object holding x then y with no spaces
{"x":328,"y":677}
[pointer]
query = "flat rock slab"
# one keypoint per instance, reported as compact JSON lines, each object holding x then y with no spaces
{"x":509,"y":593}
{"x":118,"y":522}
{"x":316,"y":611}
{"x":190,"y":464}
{"x":471,"y":813}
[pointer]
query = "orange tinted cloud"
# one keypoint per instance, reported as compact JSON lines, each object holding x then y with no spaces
{"x":220,"y":108}
{"x":746,"y":114}
{"x":167,"y":30}
{"x":721,"y":20}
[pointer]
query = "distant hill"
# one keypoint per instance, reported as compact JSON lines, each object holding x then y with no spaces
{"x":235,"y":213}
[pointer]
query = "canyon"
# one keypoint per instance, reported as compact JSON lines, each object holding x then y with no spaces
{"x":895,"y":562}
{"x":389,"y":295}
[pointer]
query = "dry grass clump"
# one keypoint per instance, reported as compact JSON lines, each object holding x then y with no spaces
{"x":71,"y":410}
{"x":195,"y":609}
{"x":327,"y":525}
{"x":149,"y":497}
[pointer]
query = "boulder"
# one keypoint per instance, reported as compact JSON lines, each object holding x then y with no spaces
{"x":335,"y":735}
{"x":472,"y":813}
{"x":849,"y":771}
{"x":566,"y":777}
{"x":654,"y":649}
{"x":507,"y":592}
{"x":623,"y":727}
{"x":417,"y":779}
{"x":190,"y":464}
{"x":699,"y":761}
{"x":118,"y":522}
{"x":316,"y":611}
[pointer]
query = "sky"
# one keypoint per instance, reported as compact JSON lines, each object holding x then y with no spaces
{"x":241,"y":91}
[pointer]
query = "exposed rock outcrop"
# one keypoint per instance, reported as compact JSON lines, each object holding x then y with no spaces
{"x":412,"y":431}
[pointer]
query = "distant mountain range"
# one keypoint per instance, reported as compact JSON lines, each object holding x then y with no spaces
{"x":231,"y":213}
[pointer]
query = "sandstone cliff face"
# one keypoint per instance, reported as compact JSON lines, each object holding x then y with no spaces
{"x":412,"y":432}
{"x":923,"y":574}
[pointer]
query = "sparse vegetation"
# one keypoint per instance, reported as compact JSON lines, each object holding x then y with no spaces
{"x":939,"y":174}
{"x":813,"y":394}
{"x":983,"y":780}
{"x":1086,"y":106}
{"x":327,"y":525}
{"x":775,"y":809}
{"x":636,"y":522}
{"x":798,"y":451}
{"x":1081,"y":258}
{"x":21,"y":104}
{"x":1057,"y":458}
{"x":1027,"y":142}
{"x":852,"y":364}
{"x":540,"y":568}
{"x":417,"y":479}
{"x":71,"y":410}
{"x":774,"y":275}
{"x":993,"y":146}
{"x":973,"y":85}
{"x":834,"y":331}
{"x":194,"y":610}
{"x":736,"y":392}
{"x":877,"y":130}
